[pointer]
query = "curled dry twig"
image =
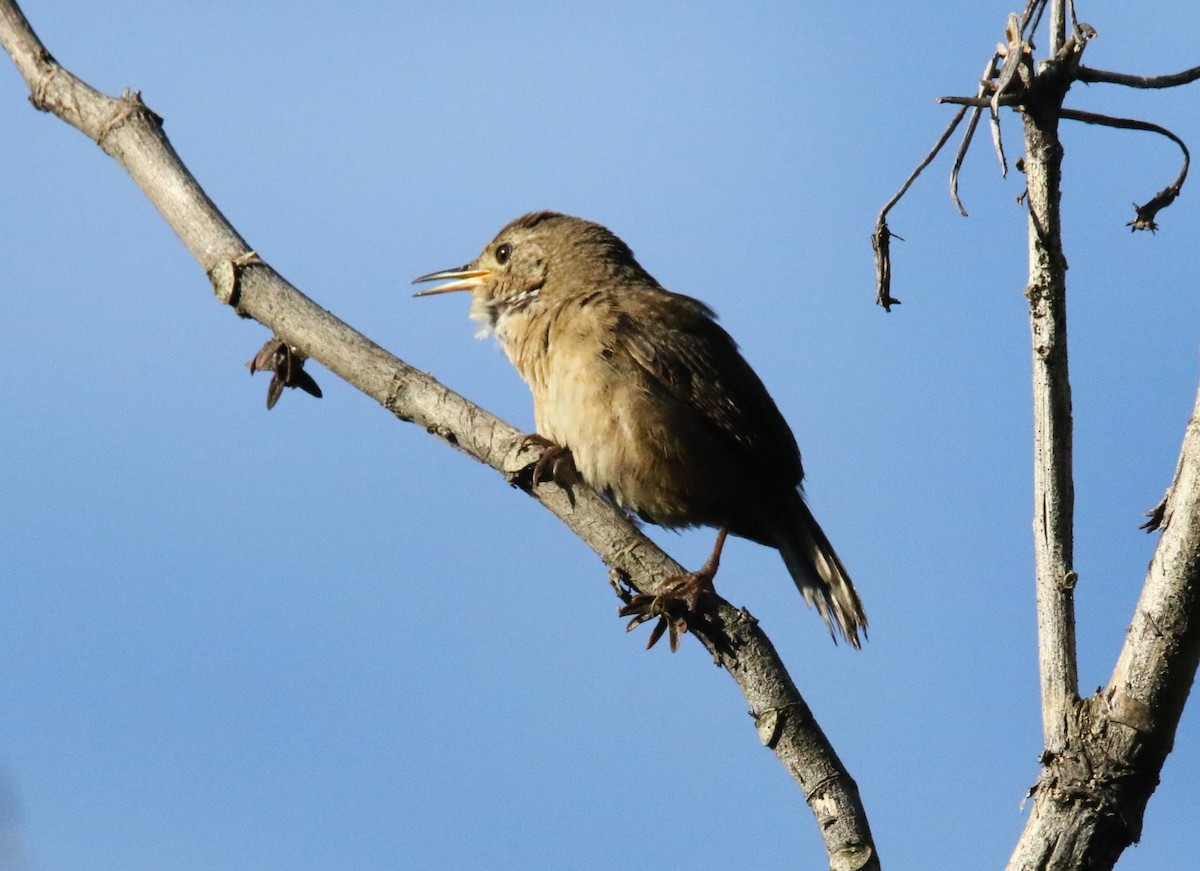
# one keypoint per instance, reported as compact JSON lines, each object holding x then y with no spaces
{"x":1144,"y":219}
{"x":880,"y":238}
{"x":1010,"y":84}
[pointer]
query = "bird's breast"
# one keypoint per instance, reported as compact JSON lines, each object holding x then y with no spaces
{"x":591,"y":396}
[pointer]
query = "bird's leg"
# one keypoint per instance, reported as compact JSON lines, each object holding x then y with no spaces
{"x":679,"y":600}
{"x":555,"y":463}
{"x":690,"y":586}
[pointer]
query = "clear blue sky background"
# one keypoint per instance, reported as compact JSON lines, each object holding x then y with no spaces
{"x":318,"y":638}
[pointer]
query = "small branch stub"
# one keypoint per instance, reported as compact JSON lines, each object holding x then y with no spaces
{"x":226,"y":278}
{"x":224,"y":282}
{"x":770,"y":726}
{"x":130,"y":105}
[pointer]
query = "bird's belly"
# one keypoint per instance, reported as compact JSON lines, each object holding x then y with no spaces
{"x":625,"y":446}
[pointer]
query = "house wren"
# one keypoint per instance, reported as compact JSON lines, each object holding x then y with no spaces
{"x":654,"y":403}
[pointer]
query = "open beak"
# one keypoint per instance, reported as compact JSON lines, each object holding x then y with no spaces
{"x":460,"y":279}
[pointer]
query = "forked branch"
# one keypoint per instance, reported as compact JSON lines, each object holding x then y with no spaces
{"x":1102,"y":756}
{"x":1009,"y":80}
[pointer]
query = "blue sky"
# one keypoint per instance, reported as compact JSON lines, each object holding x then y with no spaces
{"x":318,"y":638}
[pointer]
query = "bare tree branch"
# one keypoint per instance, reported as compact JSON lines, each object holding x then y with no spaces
{"x":998,"y":141}
{"x":881,"y":244}
{"x":1157,"y":665}
{"x":1102,"y":755}
{"x":1014,"y":75}
{"x":1090,"y":799}
{"x":983,"y":102}
{"x":1145,"y":214}
{"x":880,"y":238}
{"x":1173,"y":80}
{"x":1032,"y":17}
{"x":985,"y":83}
{"x":1054,"y":493}
{"x":129,"y":132}
{"x":1144,"y":219}
{"x":960,"y":156}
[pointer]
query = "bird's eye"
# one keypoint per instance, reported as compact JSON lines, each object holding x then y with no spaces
{"x":503,"y":253}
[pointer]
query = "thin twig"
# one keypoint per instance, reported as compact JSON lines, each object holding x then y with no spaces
{"x":1144,"y":219}
{"x":933,"y":152}
{"x":1075,"y":28}
{"x":1072,"y":48}
{"x":1013,"y":100}
{"x":1089,"y":74}
{"x":1032,"y":18}
{"x":985,"y":84}
{"x":962,"y":153}
{"x":998,"y":140}
{"x":879,"y":239}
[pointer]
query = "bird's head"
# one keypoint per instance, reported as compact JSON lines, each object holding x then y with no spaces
{"x":536,"y":260}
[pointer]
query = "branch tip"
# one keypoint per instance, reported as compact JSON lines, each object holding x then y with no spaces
{"x":1144,"y":217}
{"x":881,"y":236}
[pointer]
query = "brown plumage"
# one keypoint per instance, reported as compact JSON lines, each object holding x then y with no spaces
{"x":652,"y":398}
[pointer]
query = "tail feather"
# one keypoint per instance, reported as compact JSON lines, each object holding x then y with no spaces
{"x":821,"y":577}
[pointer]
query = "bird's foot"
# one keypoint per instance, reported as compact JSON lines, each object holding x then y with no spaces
{"x":555,"y":464}
{"x":678,"y":603}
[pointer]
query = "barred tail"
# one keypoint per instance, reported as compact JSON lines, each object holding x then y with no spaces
{"x":821,"y":577}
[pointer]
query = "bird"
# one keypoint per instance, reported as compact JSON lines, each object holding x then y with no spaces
{"x":645,"y":396}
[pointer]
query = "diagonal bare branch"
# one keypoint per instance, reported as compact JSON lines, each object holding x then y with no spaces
{"x":986,"y":82}
{"x":879,"y":239}
{"x":998,"y":140}
{"x":961,"y":156}
{"x":1031,"y":18}
{"x":130,"y":133}
{"x":928,"y":159}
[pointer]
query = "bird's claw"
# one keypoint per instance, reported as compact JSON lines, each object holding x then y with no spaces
{"x":673,"y":608}
{"x":644,"y":607}
{"x":555,"y":464}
